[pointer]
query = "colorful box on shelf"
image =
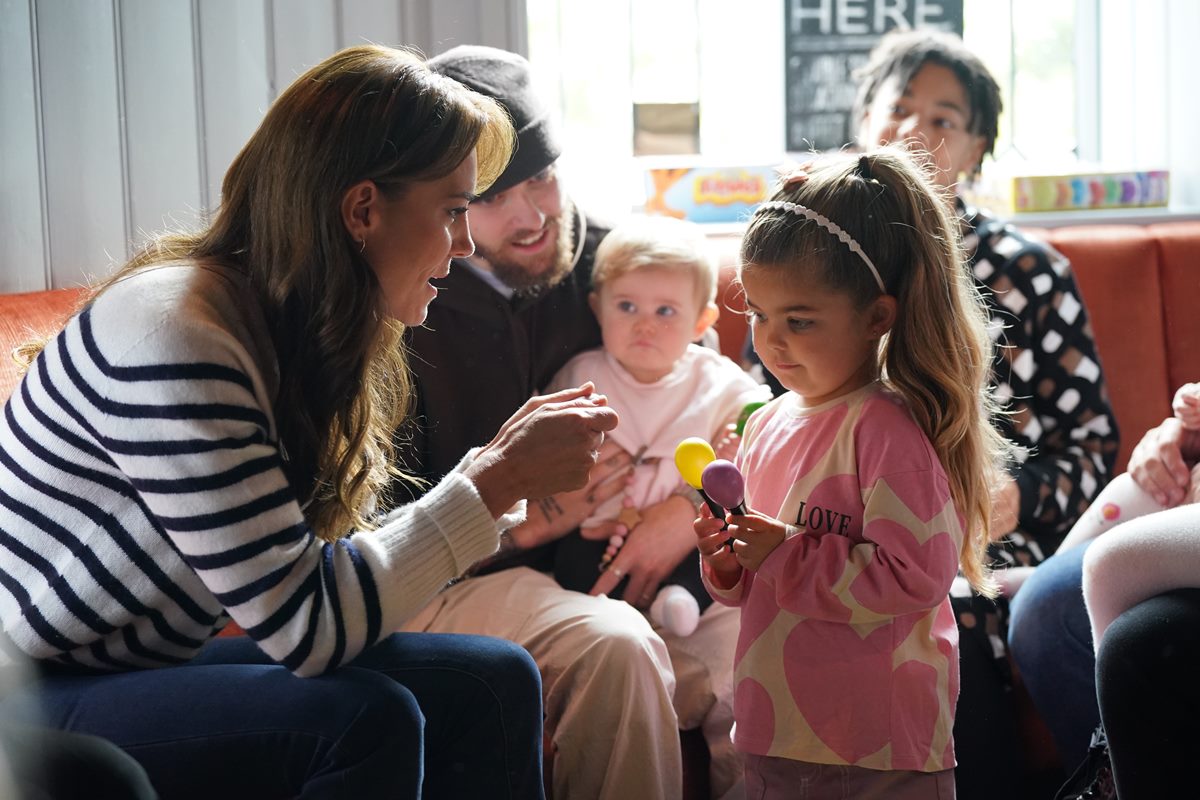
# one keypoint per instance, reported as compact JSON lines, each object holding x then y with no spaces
{"x":1082,"y":191}
{"x":708,"y":194}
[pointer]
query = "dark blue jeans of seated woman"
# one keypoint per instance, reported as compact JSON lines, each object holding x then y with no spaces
{"x":1051,"y":640}
{"x":418,"y":715}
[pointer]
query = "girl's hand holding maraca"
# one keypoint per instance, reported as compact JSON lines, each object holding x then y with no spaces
{"x":755,"y":537}
{"x":724,"y":569}
{"x":752,"y":536}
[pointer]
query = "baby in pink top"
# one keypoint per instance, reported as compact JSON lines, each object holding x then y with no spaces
{"x":868,"y":485}
{"x":654,"y":294}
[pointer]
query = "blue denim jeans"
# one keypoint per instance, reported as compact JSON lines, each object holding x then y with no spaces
{"x":1051,"y":641}
{"x":451,"y":716}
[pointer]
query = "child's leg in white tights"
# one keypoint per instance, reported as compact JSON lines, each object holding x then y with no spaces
{"x":1139,"y":560}
{"x":1121,"y":501}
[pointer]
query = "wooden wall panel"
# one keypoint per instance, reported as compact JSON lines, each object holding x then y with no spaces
{"x":24,"y":264}
{"x":236,"y":69}
{"x":119,"y":118}
{"x":162,"y":113}
{"x":81,"y":111}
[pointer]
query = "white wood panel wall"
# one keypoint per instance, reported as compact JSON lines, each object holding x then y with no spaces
{"x":118,"y":118}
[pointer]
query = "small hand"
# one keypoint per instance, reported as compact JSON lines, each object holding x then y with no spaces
{"x":755,"y":537}
{"x":1157,"y":463}
{"x":711,"y":540}
{"x":726,"y":445}
{"x":1186,"y":405}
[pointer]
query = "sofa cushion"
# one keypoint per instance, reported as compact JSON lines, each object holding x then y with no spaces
{"x":1179,"y":252}
{"x":27,"y":317}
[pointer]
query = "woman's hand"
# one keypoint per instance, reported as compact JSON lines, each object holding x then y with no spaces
{"x":652,"y":550}
{"x":550,"y":445}
{"x":553,"y":517}
{"x":1157,"y":463}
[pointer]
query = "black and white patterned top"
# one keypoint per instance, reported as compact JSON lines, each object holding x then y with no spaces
{"x":1048,"y":375}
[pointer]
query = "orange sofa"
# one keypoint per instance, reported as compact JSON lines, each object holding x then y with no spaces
{"x":1141,"y":285}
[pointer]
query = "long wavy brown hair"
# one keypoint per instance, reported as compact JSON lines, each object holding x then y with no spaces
{"x":938,"y":355}
{"x":366,"y":113}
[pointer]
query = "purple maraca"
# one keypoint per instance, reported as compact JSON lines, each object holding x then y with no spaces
{"x":724,"y":483}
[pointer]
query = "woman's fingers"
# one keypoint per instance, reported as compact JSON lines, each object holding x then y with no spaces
{"x":577,"y":396}
{"x":583,"y":391}
{"x":1157,"y":463}
{"x":556,"y":446}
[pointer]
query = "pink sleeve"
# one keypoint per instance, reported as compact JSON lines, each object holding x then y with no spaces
{"x":726,"y":597}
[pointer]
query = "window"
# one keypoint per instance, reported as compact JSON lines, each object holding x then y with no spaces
{"x":1092,"y":82}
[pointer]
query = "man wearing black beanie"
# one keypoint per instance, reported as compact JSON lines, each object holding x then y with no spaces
{"x":505,"y":321}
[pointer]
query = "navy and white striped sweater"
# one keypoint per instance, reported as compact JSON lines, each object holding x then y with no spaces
{"x":142,"y":496}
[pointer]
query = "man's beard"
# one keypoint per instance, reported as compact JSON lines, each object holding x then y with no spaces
{"x":530,"y":278}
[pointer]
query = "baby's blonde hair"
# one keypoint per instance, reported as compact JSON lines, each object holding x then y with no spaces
{"x":938,"y":355}
{"x":658,"y":242}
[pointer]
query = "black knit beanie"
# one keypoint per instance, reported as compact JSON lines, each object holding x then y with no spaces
{"x":505,"y":76}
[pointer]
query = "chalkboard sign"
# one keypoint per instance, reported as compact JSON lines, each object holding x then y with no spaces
{"x":826,"y":41}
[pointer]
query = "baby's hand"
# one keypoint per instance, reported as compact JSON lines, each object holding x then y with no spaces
{"x":726,"y":444}
{"x":1186,"y":405}
{"x":756,"y":537}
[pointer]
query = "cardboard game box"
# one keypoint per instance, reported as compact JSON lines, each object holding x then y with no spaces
{"x":1012,"y":192}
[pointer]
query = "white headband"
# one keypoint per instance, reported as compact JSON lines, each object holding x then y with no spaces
{"x":832,"y":227}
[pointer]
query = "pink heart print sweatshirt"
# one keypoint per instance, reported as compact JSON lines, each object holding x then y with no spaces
{"x":848,"y":650}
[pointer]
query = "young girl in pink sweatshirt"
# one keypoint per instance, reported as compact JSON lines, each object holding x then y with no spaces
{"x":868,"y":485}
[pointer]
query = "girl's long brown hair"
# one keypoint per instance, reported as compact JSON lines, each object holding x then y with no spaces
{"x":365,"y":113}
{"x":938,"y":355}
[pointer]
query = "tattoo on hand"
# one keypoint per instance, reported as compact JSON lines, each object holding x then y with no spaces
{"x":550,"y":508}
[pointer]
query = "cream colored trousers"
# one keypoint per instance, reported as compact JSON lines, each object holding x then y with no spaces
{"x":608,"y":680}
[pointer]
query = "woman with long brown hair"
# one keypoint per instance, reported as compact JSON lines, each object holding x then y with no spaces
{"x":210,"y":437}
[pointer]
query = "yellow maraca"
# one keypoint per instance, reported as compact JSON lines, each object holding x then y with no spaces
{"x":692,"y":455}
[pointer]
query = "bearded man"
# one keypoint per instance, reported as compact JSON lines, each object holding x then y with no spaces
{"x":505,"y":320}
